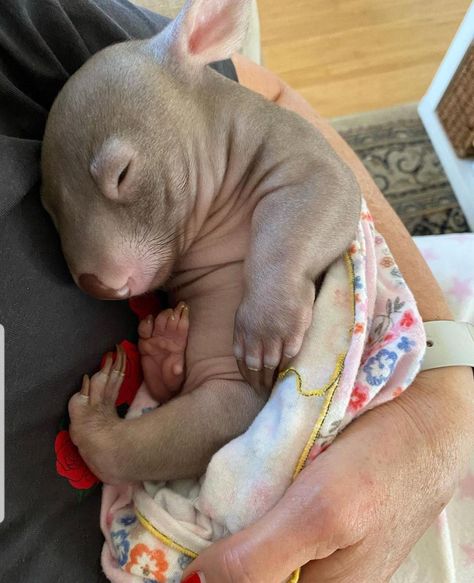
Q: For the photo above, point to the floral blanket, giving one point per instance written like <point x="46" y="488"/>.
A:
<point x="364" y="347"/>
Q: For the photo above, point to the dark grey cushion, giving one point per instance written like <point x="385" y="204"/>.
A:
<point x="54" y="333"/>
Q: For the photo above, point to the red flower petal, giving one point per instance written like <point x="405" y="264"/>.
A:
<point x="70" y="464"/>
<point x="358" y="399"/>
<point x="143" y="306"/>
<point x="407" y="319"/>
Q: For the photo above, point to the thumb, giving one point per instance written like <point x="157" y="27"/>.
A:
<point x="270" y="550"/>
<point x="243" y="558"/>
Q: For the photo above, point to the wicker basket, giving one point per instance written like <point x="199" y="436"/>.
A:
<point x="456" y="108"/>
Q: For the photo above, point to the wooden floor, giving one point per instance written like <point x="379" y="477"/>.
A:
<point x="347" y="56"/>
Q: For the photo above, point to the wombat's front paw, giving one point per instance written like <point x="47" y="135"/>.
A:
<point x="95" y="425"/>
<point x="269" y="329"/>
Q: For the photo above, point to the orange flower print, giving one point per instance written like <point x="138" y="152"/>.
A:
<point x="367" y="216"/>
<point x="387" y="262"/>
<point x="147" y="563"/>
<point x="358" y="398"/>
<point x="353" y="248"/>
<point x="358" y="328"/>
<point x="397" y="392"/>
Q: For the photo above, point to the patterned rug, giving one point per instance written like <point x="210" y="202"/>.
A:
<point x="397" y="152"/>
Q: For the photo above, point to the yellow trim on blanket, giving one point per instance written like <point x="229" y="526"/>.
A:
<point x="340" y="359"/>
<point x="316" y="429"/>
<point x="147" y="525"/>
<point x="329" y="391"/>
<point x="315" y="392"/>
<point x="295" y="576"/>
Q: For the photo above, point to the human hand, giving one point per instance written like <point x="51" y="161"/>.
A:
<point x="354" y="514"/>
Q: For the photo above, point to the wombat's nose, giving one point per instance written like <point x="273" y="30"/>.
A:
<point x="92" y="285"/>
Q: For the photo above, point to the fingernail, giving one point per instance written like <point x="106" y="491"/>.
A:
<point x="238" y="352"/>
<point x="253" y="363"/>
<point x="195" y="578"/>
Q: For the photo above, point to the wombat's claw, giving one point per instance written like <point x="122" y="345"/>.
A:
<point x="162" y="346"/>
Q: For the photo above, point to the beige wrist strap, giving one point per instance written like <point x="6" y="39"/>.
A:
<point x="448" y="344"/>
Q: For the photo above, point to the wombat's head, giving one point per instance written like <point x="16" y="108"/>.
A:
<point x="118" y="160"/>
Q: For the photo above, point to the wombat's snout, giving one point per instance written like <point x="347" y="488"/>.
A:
<point x="92" y="285"/>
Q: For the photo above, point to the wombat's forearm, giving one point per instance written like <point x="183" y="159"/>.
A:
<point x="300" y="228"/>
<point x="178" y="439"/>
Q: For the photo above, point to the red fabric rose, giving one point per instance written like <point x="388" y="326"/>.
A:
<point x="143" y="306"/>
<point x="70" y="465"/>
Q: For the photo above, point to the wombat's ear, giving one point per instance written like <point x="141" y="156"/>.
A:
<point x="207" y="30"/>
<point x="113" y="170"/>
